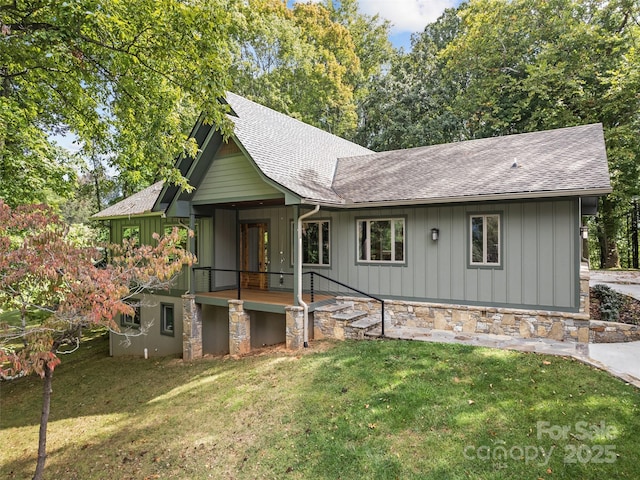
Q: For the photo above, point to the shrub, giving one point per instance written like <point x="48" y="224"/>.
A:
<point x="610" y="302"/>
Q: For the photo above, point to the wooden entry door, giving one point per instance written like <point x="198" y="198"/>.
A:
<point x="254" y="254"/>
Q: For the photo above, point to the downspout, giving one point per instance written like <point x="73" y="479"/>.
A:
<point x="192" y="248"/>
<point x="305" y="307"/>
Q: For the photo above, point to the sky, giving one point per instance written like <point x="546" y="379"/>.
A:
<point x="406" y="16"/>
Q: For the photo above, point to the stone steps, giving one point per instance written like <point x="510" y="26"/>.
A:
<point x="349" y="316"/>
<point x="365" y="323"/>
<point x="332" y="307"/>
<point x="340" y="320"/>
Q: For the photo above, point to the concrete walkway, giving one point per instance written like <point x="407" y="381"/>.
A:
<point x="619" y="359"/>
<point x="624" y="281"/>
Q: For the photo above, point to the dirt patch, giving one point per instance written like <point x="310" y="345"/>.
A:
<point x="629" y="313"/>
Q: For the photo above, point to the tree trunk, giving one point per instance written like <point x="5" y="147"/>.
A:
<point x="97" y="173"/>
<point x="634" y="235"/>
<point x="609" y="231"/>
<point x="44" y="420"/>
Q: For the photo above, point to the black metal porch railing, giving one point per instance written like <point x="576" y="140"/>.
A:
<point x="311" y="289"/>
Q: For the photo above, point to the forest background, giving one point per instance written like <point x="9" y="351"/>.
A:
<point x="127" y="79"/>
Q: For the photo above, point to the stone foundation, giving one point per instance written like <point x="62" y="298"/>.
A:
<point x="559" y="326"/>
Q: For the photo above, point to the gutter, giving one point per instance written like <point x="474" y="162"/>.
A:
<point x="462" y="199"/>
<point x="305" y="307"/>
<point x="129" y="216"/>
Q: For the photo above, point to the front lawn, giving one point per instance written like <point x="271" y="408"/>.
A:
<point x="370" y="409"/>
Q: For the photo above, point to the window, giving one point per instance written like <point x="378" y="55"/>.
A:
<point x="131" y="233"/>
<point x="316" y="248"/>
<point x="167" y="326"/>
<point x="315" y="243"/>
<point x="485" y="239"/>
<point x="381" y="240"/>
<point x="131" y="321"/>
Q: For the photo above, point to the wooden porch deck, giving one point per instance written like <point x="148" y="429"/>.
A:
<point x="254" y="298"/>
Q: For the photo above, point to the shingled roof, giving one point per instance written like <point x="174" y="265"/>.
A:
<point x="322" y="168"/>
<point x="140" y="203"/>
<point x="297" y="156"/>
<point x="565" y="161"/>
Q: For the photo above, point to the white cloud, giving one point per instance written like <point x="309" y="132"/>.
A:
<point x="407" y="15"/>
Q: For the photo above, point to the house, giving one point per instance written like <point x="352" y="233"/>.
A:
<point x="301" y="234"/>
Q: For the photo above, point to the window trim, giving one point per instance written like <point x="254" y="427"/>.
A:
<point x="392" y="221"/>
<point x="132" y="323"/>
<point x="163" y="329"/>
<point x="484" y="263"/>
<point x="320" y="256"/>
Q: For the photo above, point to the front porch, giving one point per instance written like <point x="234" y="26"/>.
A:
<point x="233" y="319"/>
<point x="261" y="300"/>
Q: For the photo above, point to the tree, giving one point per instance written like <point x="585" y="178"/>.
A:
<point x="299" y="62"/>
<point x="527" y="65"/>
<point x="409" y="103"/>
<point x="370" y="37"/>
<point x="42" y="272"/>
<point x="128" y="77"/>
<point x="497" y="67"/>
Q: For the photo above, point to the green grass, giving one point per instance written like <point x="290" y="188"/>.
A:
<point x="370" y="410"/>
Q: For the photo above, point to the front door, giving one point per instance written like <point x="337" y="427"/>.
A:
<point x="254" y="255"/>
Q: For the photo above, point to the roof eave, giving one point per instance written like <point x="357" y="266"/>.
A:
<point x="129" y="216"/>
<point x="463" y="199"/>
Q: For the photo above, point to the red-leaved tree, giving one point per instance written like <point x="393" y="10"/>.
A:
<point x="59" y="290"/>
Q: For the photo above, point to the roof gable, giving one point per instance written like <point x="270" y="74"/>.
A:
<point x="297" y="156"/>
<point x="233" y="178"/>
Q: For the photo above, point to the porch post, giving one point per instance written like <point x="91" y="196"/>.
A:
<point x="239" y="328"/>
<point x="192" y="328"/>
<point x="294" y="327"/>
<point x="296" y="270"/>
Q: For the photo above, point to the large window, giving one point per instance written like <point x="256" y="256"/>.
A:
<point x="485" y="239"/>
<point x="316" y="249"/>
<point x="381" y="240"/>
<point x="167" y="322"/>
<point x="132" y="321"/>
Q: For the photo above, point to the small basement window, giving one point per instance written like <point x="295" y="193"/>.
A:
<point x="131" y="321"/>
<point x="167" y="320"/>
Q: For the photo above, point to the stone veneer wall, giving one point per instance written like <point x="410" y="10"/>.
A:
<point x="560" y="326"/>
<point x="613" y="332"/>
<point x="472" y="319"/>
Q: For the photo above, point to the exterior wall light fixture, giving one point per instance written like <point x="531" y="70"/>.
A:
<point x="435" y="233"/>
<point x="584" y="232"/>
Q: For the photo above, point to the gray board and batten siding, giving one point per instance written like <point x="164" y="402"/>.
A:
<point x="148" y="225"/>
<point x="539" y="265"/>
